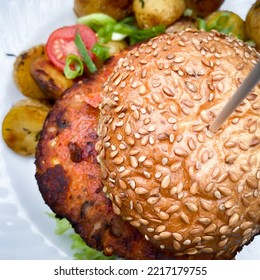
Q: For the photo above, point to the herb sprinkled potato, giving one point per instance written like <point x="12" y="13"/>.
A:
<point x="118" y="9"/>
<point x="253" y="23"/>
<point x="22" y="125"/>
<point x="149" y="13"/>
<point x="51" y="80"/>
<point x="226" y="22"/>
<point x="22" y="75"/>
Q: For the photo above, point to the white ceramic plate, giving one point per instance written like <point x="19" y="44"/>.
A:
<point x="26" y="232"/>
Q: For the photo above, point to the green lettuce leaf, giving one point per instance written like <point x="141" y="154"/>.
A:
<point x="80" y="250"/>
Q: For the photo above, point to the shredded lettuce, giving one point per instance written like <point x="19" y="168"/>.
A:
<point x="80" y="250"/>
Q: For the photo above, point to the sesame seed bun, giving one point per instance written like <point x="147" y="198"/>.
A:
<point x="187" y="190"/>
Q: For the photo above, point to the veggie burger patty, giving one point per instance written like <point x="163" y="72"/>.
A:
<point x="69" y="177"/>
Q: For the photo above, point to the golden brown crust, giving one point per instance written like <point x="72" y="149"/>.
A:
<point x="186" y="190"/>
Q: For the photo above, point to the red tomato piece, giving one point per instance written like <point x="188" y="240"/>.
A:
<point x="61" y="43"/>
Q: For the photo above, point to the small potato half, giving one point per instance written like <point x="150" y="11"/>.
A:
<point x="22" y="75"/>
<point x="118" y="9"/>
<point x="149" y="13"/>
<point x="253" y="24"/>
<point x="51" y="80"/>
<point x="22" y="125"/>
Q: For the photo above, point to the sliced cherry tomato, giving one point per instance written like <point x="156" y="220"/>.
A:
<point x="61" y="43"/>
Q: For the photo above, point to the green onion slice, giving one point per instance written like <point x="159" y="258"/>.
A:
<point x="96" y="20"/>
<point x="101" y="51"/>
<point x="84" y="53"/>
<point x="74" y="66"/>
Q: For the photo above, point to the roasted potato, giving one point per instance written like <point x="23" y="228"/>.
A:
<point x="182" y="24"/>
<point x="116" y="47"/>
<point x="149" y="13"/>
<point x="253" y="23"/>
<point x="226" y="22"/>
<point x="51" y="81"/>
<point x="203" y="8"/>
<point x="22" y="75"/>
<point x="22" y="125"/>
<point x="117" y="9"/>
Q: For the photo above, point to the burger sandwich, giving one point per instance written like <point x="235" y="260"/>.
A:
<point x="128" y="158"/>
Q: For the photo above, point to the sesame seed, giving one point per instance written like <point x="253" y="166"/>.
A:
<point x="233" y="219"/>
<point x="181" y="152"/>
<point x="191" y="206"/>
<point x="116" y="209"/>
<point x="207" y="250"/>
<point x="142" y="158"/>
<point x="156" y="98"/>
<point x="164" y="161"/>
<point x="168" y="91"/>
<point x="173" y="110"/>
<point x="191" y="144"/>
<point x="165" y="234"/>
<point x="113" y="154"/>
<point x="141" y="190"/>
<point x="194" y="188"/>
<point x="173" y="209"/>
<point x="133" y="161"/>
<point x="217" y="194"/>
<point x="215" y="173"/>
<point x="176" y="245"/>
<point x="153" y="199"/>
<point x="147" y="174"/>
<point x="175" y="167"/>
<point x="185" y="218"/>
<point x="122" y="184"/>
<point x="160" y="228"/>
<point x="223" y="177"/>
<point x="164" y="215"/>
<point x="192" y="87"/>
<point x="229" y="203"/>
<point x="225" y="191"/>
<point x="121" y="169"/>
<point x="172" y="120"/>
<point x="206" y="205"/>
<point x="166" y="181"/>
<point x="210" y="228"/>
<point x="178" y="59"/>
<point x="135" y="223"/>
<point x="118" y="160"/>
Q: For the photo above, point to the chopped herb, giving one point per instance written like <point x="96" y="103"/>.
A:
<point x="96" y="20"/>
<point x="101" y="51"/>
<point x="84" y="53"/>
<point x="74" y="66"/>
<point x="142" y="3"/>
<point x="107" y="29"/>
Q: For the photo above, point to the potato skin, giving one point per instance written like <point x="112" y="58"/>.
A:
<point x="117" y="9"/>
<point x="227" y="22"/>
<point x="203" y="8"/>
<point x="22" y="76"/>
<point x="253" y="23"/>
<point x="22" y="125"/>
<point x="51" y="81"/>
<point x="149" y="13"/>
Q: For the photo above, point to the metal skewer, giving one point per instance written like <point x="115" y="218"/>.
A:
<point x="248" y="84"/>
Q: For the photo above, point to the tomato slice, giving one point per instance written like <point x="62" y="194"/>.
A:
<point x="61" y="43"/>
